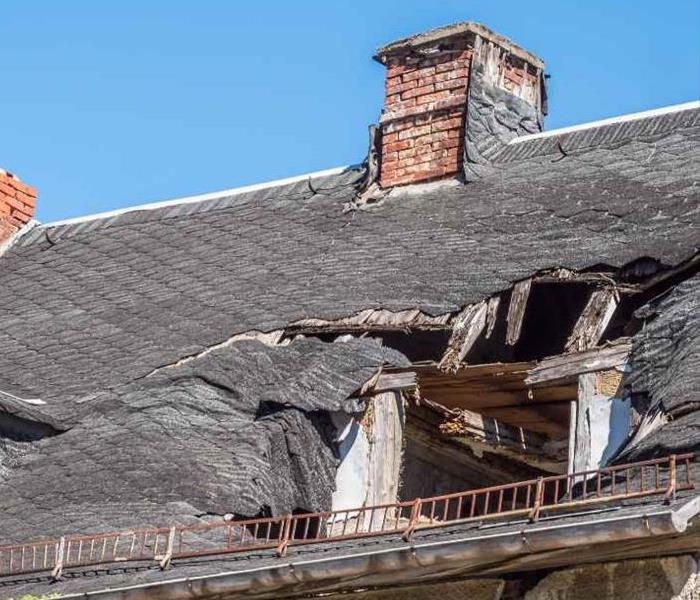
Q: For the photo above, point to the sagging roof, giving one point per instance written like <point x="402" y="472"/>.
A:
<point x="228" y="432"/>
<point x="101" y="302"/>
<point x="98" y="315"/>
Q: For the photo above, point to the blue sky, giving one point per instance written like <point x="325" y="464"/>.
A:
<point x="110" y="104"/>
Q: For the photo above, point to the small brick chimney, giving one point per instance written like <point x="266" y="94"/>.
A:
<point x="17" y="203"/>
<point x="428" y="100"/>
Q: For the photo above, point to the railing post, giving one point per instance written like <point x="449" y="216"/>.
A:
<point x="284" y="536"/>
<point x="58" y="566"/>
<point x="671" y="491"/>
<point x="413" y="520"/>
<point x="167" y="557"/>
<point x="537" y="503"/>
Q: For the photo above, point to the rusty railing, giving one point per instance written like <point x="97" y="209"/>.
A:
<point x="526" y="499"/>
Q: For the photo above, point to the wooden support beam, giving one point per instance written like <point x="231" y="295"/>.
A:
<point x="587" y="361"/>
<point x="516" y="310"/>
<point x="393" y="381"/>
<point x="488" y="430"/>
<point x="593" y="320"/>
<point x="467" y="327"/>
<point x="580" y="437"/>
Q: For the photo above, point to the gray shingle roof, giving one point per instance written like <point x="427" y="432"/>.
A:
<point x="101" y="302"/>
<point x="87" y="310"/>
<point x="230" y="432"/>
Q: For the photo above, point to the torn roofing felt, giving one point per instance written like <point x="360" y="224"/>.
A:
<point x="92" y="305"/>
<point x="230" y="432"/>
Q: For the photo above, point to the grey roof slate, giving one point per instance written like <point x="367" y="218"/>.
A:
<point x="96" y="304"/>
<point x="88" y="310"/>
<point x="240" y="430"/>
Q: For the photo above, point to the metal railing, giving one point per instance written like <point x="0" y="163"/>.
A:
<point x="527" y="498"/>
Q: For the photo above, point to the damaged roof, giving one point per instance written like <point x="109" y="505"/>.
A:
<point x="224" y="433"/>
<point x="122" y="331"/>
<point x="97" y="303"/>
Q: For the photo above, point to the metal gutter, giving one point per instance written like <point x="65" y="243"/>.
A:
<point x="379" y="567"/>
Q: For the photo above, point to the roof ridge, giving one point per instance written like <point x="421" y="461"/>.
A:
<point x="695" y="104"/>
<point x="198" y="198"/>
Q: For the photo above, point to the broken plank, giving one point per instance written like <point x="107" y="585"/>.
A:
<point x="516" y="310"/>
<point x="593" y="320"/>
<point x="491" y="314"/>
<point x="467" y="327"/>
<point x="577" y="363"/>
<point x="491" y="431"/>
<point x="394" y="381"/>
<point x="580" y="442"/>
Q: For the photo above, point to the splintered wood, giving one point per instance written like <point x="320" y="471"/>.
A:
<point x="466" y="329"/>
<point x="570" y="365"/>
<point x="593" y="320"/>
<point x="491" y="431"/>
<point x="516" y="310"/>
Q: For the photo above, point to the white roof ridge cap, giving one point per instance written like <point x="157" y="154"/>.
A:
<point x="198" y="198"/>
<point x="609" y="121"/>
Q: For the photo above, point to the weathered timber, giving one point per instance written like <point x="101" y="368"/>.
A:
<point x="516" y="310"/>
<point x="467" y="327"/>
<point x="393" y="381"/>
<point x="385" y="437"/>
<point x="469" y="424"/>
<point x="593" y="320"/>
<point x="577" y="363"/>
<point x="580" y="443"/>
<point x="491" y="314"/>
<point x="373" y="319"/>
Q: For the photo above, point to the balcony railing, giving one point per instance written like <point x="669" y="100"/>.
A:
<point x="523" y="499"/>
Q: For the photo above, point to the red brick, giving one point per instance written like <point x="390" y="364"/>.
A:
<point x="418" y="74"/>
<point x="449" y="123"/>
<point x="447" y="144"/>
<point x="15" y="203"/>
<point x="390" y="138"/>
<point x="418" y="91"/>
<point x="398" y="146"/>
<point x="451" y="84"/>
<point x="6" y="189"/>
<point x="22" y="187"/>
<point x="414" y="132"/>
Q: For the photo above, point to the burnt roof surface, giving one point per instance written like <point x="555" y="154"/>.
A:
<point x="98" y="303"/>
<point x="228" y="432"/>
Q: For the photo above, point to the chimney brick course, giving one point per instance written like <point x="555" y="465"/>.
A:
<point x="17" y="204"/>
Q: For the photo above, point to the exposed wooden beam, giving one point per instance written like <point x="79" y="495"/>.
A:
<point x="593" y="320"/>
<point x="580" y="432"/>
<point x="393" y="381"/>
<point x="467" y="327"/>
<point x="574" y="364"/>
<point x="516" y="310"/>
<point x="491" y="314"/>
<point x="478" y="427"/>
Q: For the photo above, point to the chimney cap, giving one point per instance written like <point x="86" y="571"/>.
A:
<point x="432" y="36"/>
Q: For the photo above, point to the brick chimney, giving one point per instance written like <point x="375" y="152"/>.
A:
<point x="432" y="98"/>
<point x="17" y="203"/>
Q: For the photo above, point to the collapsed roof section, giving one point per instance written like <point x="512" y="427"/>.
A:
<point x="100" y="302"/>
<point x="243" y="430"/>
